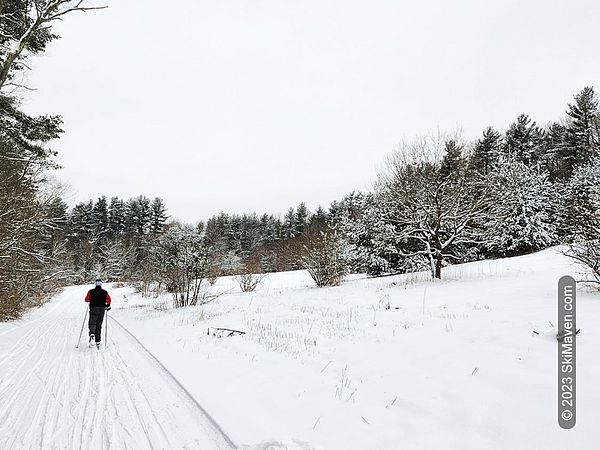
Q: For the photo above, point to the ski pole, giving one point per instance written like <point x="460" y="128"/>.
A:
<point x="106" y="331"/>
<point x="82" y="325"/>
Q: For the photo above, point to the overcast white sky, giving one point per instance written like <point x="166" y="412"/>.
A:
<point x="257" y="105"/>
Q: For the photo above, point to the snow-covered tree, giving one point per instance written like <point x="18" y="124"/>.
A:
<point x="116" y="260"/>
<point x="486" y="152"/>
<point x="524" y="213"/>
<point x="372" y="247"/>
<point x="100" y="219"/>
<point x="181" y="261"/>
<point x="581" y="215"/>
<point x="117" y="216"/>
<point x="523" y="140"/>
<point x="158" y="215"/>
<point x="26" y="30"/>
<point x="289" y="223"/>
<point x="139" y="215"/>
<point x="434" y="213"/>
<point x="319" y="218"/>
<point x="583" y="130"/>
<point x="301" y="219"/>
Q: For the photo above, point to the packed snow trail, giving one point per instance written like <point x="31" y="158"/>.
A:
<point x="55" y="396"/>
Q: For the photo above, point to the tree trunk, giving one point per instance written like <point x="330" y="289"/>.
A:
<point x="438" y="267"/>
<point x="431" y="259"/>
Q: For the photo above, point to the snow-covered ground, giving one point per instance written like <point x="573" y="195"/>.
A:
<point x="55" y="396"/>
<point x="390" y="363"/>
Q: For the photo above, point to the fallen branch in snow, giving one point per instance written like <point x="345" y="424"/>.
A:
<point x="317" y="422"/>
<point x="224" y="332"/>
<point x="326" y="366"/>
<point x="560" y="336"/>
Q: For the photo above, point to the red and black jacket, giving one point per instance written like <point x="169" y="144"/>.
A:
<point x="98" y="297"/>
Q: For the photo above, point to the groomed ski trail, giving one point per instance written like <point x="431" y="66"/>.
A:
<point x="54" y="396"/>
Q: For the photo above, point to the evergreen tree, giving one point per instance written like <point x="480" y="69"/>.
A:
<point x="301" y="219"/>
<point x="319" y="218"/>
<point x="523" y="140"/>
<point x="581" y="216"/>
<point x="140" y="214"/>
<point x="81" y="223"/>
<point x="271" y="228"/>
<point x="555" y="150"/>
<point x="158" y="216"/>
<point x="524" y="216"/>
<point x="100" y="218"/>
<point x="581" y="211"/>
<point x="117" y="217"/>
<point x="289" y="223"/>
<point x="486" y="152"/>
<point x="582" y="131"/>
<point x="336" y="212"/>
<point x="371" y="237"/>
<point x="453" y="161"/>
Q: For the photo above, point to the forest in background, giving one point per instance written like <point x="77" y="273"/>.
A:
<point x="442" y="199"/>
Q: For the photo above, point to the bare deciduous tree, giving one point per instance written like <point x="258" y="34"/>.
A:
<point x="435" y="208"/>
<point x="323" y="255"/>
<point x="250" y="273"/>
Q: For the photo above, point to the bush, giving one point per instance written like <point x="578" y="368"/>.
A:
<point x="250" y="274"/>
<point x="323" y="255"/>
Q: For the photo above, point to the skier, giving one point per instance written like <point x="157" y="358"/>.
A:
<point x="99" y="301"/>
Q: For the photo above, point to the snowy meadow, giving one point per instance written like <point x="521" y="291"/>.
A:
<point x="391" y="362"/>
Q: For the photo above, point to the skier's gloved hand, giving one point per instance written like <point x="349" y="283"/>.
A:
<point x="108" y="308"/>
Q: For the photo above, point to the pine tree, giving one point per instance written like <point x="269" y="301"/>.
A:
<point x="336" y="212"/>
<point x="81" y="223"/>
<point x="583" y="130"/>
<point x="289" y="223"/>
<point x="555" y="149"/>
<point x="523" y="140"/>
<point x="100" y="218"/>
<point x="301" y="219"/>
<point x="117" y="217"/>
<point x="158" y="216"/>
<point x="581" y="211"/>
<point x="453" y="161"/>
<point x="319" y="218"/>
<point x="581" y="215"/>
<point x="139" y="213"/>
<point x="486" y="152"/>
<point x="373" y="247"/>
<point x="524" y="215"/>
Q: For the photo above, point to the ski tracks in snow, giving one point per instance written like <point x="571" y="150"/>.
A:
<point x="54" y="396"/>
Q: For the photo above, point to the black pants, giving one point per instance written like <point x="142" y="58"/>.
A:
<point x="96" y="319"/>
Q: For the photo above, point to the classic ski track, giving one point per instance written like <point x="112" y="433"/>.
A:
<point x="54" y="396"/>
<point x="211" y="423"/>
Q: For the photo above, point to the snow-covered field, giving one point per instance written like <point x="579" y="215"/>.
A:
<point x="390" y="363"/>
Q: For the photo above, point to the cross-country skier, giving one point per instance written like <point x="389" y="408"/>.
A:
<point x="99" y="301"/>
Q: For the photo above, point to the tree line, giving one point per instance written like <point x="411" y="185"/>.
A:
<point x="440" y="200"/>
